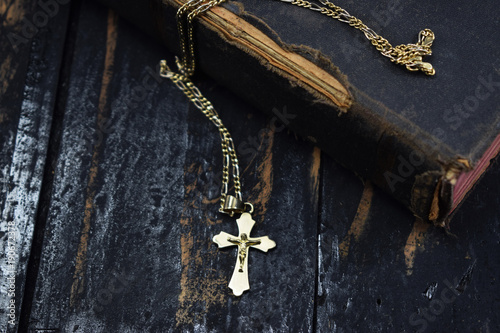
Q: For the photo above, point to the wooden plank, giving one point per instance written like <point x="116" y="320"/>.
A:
<point x="380" y="270"/>
<point x="127" y="244"/>
<point x="31" y="44"/>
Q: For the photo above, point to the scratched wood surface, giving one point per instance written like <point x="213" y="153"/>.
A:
<point x="380" y="270"/>
<point x="127" y="206"/>
<point x="31" y="49"/>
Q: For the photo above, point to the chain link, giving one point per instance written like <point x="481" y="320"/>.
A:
<point x="185" y="16"/>
<point x="230" y="158"/>
<point x="408" y="55"/>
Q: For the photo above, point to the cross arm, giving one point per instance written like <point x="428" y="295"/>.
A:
<point x="265" y="243"/>
<point x="221" y="239"/>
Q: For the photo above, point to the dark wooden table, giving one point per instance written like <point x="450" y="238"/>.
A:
<point x="109" y="195"/>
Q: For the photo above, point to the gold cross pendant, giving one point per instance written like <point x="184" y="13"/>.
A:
<point x="239" y="281"/>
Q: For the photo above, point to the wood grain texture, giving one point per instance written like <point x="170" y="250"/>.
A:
<point x="132" y="243"/>
<point x="103" y="107"/>
<point x="29" y="76"/>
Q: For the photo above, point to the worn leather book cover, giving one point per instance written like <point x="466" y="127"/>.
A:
<point x="425" y="139"/>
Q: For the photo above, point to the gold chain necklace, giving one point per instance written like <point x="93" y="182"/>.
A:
<point x="409" y="55"/>
<point x="229" y="204"/>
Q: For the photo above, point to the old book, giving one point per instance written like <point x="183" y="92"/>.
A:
<point x="424" y="139"/>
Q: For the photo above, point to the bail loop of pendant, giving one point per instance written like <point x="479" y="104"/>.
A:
<point x="234" y="205"/>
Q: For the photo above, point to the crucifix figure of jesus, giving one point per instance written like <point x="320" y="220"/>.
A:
<point x="239" y="281"/>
